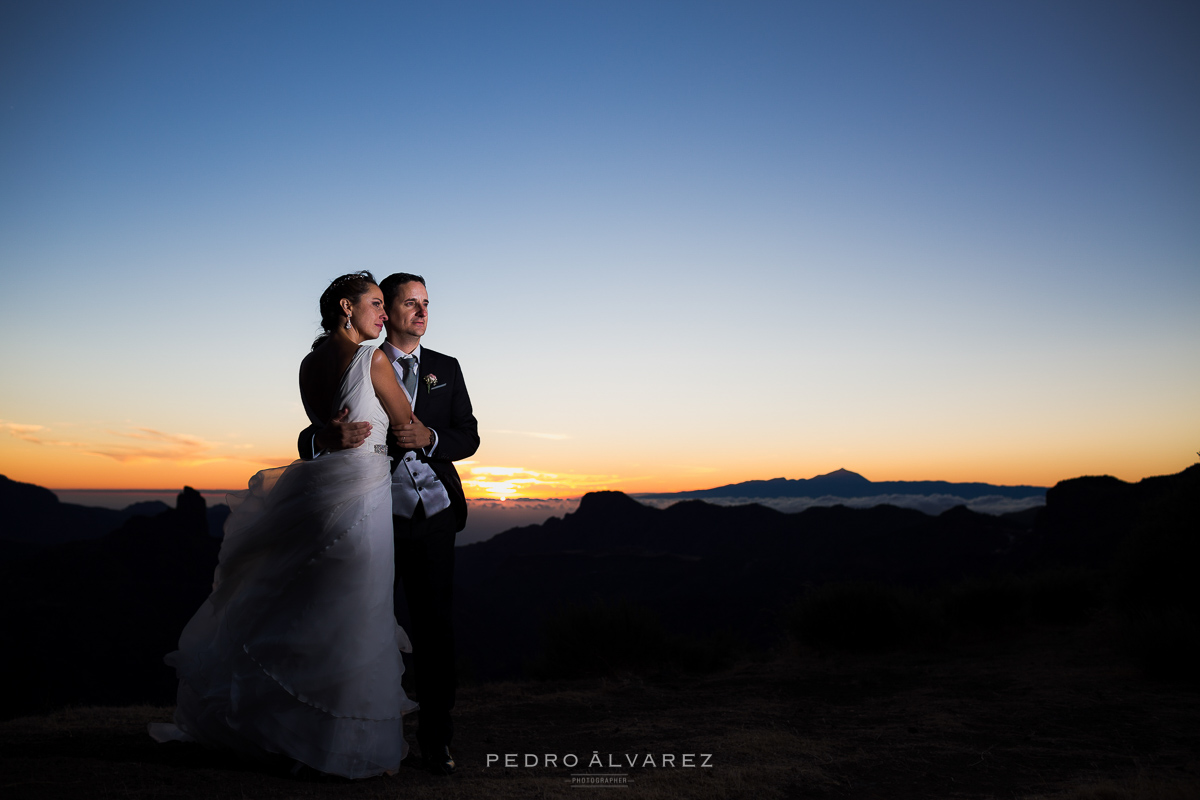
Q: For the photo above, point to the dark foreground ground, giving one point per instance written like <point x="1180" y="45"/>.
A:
<point x="1054" y="713"/>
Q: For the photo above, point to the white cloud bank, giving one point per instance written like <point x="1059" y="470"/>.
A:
<point x="928" y="503"/>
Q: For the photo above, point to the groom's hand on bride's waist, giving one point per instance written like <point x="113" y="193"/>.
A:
<point x="341" y="434"/>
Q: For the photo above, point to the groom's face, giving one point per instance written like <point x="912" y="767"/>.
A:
<point x="409" y="311"/>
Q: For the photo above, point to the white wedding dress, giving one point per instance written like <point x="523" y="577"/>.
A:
<point x="297" y="650"/>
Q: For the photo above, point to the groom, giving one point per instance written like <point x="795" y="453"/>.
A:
<point x="428" y="505"/>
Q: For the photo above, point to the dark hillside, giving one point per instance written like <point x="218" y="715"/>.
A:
<point x="89" y="621"/>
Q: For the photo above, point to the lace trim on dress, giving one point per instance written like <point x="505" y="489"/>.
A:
<point x="287" y="686"/>
<point x="367" y="513"/>
<point x="282" y="683"/>
<point x="290" y="690"/>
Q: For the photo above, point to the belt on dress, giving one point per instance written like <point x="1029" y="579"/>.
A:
<point x="381" y="449"/>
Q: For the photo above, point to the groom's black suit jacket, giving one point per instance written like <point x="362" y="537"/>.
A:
<point x="445" y="407"/>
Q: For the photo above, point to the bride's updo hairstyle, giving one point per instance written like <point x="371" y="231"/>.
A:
<point x="346" y="287"/>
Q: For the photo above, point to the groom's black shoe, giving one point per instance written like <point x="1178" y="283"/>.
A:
<point x="441" y="762"/>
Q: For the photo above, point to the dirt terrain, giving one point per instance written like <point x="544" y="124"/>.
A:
<point x="1053" y="713"/>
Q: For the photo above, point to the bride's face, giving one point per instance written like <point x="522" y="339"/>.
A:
<point x="367" y="315"/>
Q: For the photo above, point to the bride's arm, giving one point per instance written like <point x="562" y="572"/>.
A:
<point x="387" y="389"/>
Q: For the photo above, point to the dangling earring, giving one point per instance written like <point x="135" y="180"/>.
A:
<point x="347" y="323"/>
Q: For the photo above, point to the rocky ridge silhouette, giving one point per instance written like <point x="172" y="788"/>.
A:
<point x="89" y="621"/>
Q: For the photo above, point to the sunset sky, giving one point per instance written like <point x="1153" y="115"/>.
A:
<point x="673" y="244"/>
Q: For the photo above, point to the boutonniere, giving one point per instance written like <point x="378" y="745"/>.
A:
<point x="430" y="382"/>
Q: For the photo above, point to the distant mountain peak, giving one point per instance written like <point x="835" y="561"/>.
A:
<point x="842" y="474"/>
<point x="844" y="483"/>
<point x="607" y="503"/>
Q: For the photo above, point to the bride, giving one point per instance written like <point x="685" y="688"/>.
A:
<point x="296" y="651"/>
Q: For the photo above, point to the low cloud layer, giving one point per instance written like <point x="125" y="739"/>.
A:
<point x="928" y="503"/>
<point x="489" y="517"/>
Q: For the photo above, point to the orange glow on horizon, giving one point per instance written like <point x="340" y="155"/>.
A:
<point x="502" y="483"/>
<point x="142" y="458"/>
<point x="481" y="482"/>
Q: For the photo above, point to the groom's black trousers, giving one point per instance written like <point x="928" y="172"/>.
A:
<point x="425" y="579"/>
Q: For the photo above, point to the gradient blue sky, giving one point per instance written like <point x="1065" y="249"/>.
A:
<point x="674" y="245"/>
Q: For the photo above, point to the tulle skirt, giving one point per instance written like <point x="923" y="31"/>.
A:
<point x="297" y="650"/>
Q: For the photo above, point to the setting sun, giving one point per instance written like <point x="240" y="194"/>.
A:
<point x="482" y="482"/>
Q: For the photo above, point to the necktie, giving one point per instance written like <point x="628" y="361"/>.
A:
<point x="410" y="374"/>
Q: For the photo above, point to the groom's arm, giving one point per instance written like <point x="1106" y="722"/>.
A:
<point x="306" y="443"/>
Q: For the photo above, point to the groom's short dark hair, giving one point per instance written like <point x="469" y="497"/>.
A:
<point x="390" y="286"/>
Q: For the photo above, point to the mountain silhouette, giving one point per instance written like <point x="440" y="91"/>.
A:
<point x="33" y="514"/>
<point x="844" y="483"/>
<point x="1088" y="521"/>
<point x="89" y="621"/>
<point x="702" y="568"/>
<point x="29" y="513"/>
